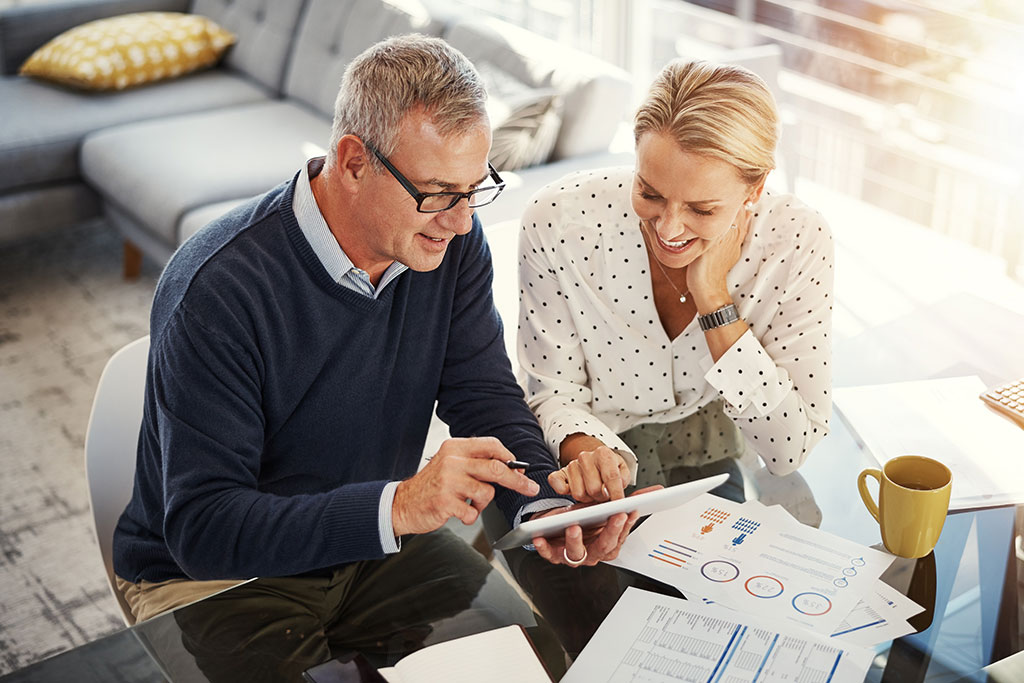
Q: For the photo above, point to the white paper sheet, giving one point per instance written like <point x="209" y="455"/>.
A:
<point x="755" y="559"/>
<point x="661" y="639"/>
<point x="941" y="419"/>
<point x="881" y="616"/>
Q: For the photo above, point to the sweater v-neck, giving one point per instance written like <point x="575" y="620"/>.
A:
<point x="316" y="269"/>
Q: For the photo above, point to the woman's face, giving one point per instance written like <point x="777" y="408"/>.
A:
<point x="686" y="201"/>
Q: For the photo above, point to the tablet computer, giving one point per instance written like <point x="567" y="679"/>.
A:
<point x="593" y="515"/>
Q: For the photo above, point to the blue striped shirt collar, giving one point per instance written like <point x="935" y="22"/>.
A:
<point x="326" y="247"/>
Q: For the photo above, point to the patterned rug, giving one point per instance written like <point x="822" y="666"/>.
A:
<point x="64" y="310"/>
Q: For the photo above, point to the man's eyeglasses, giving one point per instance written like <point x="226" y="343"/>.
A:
<point x="434" y="202"/>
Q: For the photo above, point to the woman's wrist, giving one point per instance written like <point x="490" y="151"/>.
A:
<point x="577" y="443"/>
<point x="712" y="299"/>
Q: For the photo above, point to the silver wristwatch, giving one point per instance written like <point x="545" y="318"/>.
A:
<point x="723" y="316"/>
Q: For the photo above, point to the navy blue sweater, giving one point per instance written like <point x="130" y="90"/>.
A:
<point x="279" y="403"/>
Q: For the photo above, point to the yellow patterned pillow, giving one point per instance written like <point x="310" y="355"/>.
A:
<point x="129" y="50"/>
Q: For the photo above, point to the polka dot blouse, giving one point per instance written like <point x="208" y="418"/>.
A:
<point x="598" y="361"/>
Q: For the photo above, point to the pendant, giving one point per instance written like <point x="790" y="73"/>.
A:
<point x="682" y="298"/>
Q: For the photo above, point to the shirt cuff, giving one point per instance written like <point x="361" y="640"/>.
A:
<point x="388" y="542"/>
<point x="539" y="506"/>
<point x="560" y="426"/>
<point x="747" y="377"/>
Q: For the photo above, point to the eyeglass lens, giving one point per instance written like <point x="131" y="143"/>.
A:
<point x="442" y="202"/>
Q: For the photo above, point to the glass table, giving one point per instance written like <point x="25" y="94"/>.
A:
<point x="969" y="587"/>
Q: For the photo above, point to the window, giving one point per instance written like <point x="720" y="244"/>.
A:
<point x="915" y="106"/>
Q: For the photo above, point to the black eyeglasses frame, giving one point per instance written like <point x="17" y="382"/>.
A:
<point x="456" y="197"/>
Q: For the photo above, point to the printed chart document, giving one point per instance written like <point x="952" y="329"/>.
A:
<point x="661" y="639"/>
<point x="941" y="419"/>
<point x="755" y="559"/>
<point x="503" y="655"/>
<point x="879" y="617"/>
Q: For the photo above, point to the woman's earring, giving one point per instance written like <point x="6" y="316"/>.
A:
<point x="749" y="206"/>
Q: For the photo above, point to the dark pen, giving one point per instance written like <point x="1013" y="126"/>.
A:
<point x="517" y="464"/>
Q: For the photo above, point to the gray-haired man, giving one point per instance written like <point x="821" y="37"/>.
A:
<point x="298" y="346"/>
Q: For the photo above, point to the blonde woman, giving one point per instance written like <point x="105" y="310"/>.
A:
<point x="675" y="314"/>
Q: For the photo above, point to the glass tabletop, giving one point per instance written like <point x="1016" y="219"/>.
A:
<point x="968" y="587"/>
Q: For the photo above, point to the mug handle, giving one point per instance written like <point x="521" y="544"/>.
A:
<point x="865" y="495"/>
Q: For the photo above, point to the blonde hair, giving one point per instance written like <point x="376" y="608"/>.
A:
<point x="400" y="74"/>
<point x="721" y="111"/>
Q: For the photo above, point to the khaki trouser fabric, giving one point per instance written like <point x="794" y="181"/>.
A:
<point x="147" y="599"/>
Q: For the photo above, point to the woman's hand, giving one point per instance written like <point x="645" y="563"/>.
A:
<point x="706" y="276"/>
<point x="593" y="476"/>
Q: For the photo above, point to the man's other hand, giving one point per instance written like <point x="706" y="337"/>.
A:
<point x="457" y="482"/>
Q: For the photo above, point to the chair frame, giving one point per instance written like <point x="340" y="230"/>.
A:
<point x="111" y="443"/>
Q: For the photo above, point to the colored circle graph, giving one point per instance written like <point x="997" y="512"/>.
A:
<point x="764" y="586"/>
<point x="811" y="604"/>
<point x="720" y="571"/>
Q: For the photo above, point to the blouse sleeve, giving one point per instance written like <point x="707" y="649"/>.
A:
<point x="549" y="349"/>
<point x="777" y="383"/>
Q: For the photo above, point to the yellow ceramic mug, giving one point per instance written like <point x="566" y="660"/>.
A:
<point x="913" y="498"/>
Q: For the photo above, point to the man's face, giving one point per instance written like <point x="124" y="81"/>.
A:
<point x="393" y="229"/>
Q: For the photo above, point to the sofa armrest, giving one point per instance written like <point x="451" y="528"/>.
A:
<point x="23" y="29"/>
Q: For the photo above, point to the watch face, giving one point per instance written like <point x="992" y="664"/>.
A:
<point x="723" y="316"/>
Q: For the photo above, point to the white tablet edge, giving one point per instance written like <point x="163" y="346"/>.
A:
<point x="645" y="503"/>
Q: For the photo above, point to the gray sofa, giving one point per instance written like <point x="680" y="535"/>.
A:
<point x="162" y="160"/>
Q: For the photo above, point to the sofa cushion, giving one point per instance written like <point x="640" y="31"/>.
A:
<point x="40" y="137"/>
<point x="525" y="120"/>
<point x="334" y="32"/>
<point x="265" y="30"/>
<point x="595" y="94"/>
<point x="129" y="50"/>
<point x="156" y="171"/>
<point x="196" y="219"/>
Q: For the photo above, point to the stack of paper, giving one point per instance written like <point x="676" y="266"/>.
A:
<point x="651" y="637"/>
<point x="761" y="561"/>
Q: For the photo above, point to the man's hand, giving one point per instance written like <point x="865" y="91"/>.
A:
<point x="594" y="476"/>
<point x="457" y="482"/>
<point x="581" y="547"/>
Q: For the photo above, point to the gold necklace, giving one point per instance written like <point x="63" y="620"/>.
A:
<point x="654" y="257"/>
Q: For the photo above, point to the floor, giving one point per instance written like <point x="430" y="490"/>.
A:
<point x="64" y="309"/>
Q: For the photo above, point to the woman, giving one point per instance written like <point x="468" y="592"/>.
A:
<point x="672" y="313"/>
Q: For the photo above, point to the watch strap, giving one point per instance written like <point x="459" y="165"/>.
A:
<point x="723" y="316"/>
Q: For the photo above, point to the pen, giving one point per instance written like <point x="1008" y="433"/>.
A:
<point x="517" y="464"/>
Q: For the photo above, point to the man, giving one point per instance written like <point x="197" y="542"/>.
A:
<point x="298" y="346"/>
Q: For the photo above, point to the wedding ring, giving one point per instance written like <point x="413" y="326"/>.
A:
<point x="732" y="227"/>
<point x="574" y="563"/>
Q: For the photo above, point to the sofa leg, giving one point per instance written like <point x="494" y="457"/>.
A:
<point x="132" y="261"/>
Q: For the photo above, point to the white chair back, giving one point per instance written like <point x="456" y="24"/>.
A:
<point x="110" y="448"/>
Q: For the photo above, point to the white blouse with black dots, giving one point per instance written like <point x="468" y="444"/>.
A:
<point x="598" y="361"/>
